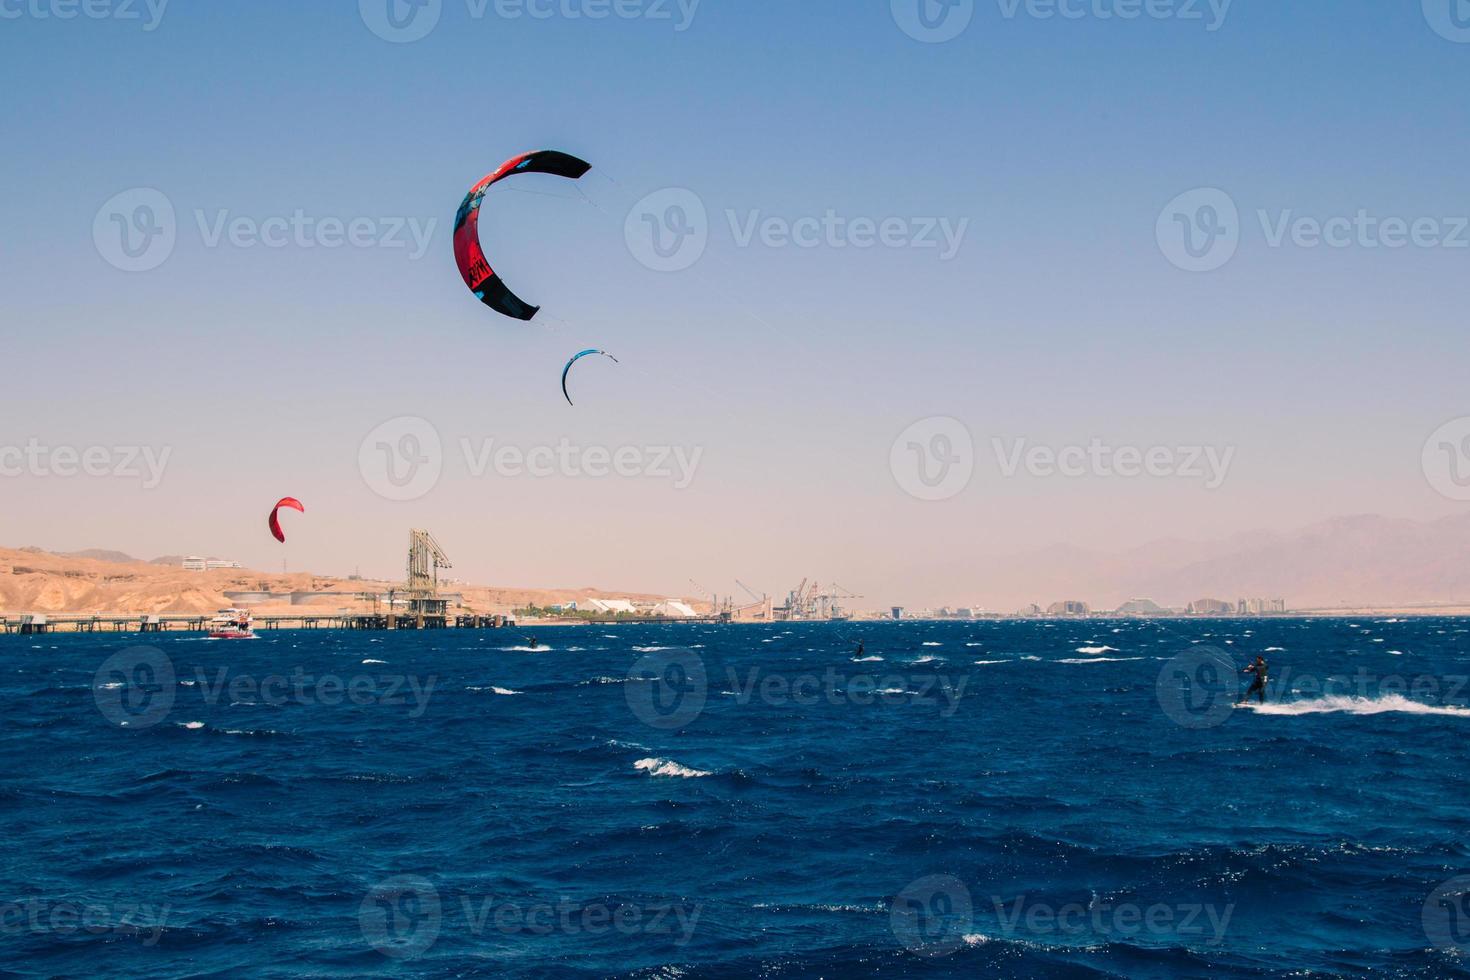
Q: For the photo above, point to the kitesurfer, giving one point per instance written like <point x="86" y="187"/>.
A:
<point x="535" y="643"/>
<point x="1258" y="686"/>
<point x="859" y="649"/>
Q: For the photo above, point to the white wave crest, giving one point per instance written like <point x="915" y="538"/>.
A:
<point x="1097" y="660"/>
<point x="1097" y="649"/>
<point x="667" y="767"/>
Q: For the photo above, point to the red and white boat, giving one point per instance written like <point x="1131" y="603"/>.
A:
<point x="231" y="624"/>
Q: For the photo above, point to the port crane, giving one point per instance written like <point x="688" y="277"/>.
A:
<point x="713" y="600"/>
<point x="810" y="601"/>
<point x="759" y="608"/>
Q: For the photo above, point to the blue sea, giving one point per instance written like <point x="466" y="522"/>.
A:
<point x="989" y="799"/>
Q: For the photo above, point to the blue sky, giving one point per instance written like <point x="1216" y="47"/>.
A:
<point x="1057" y="140"/>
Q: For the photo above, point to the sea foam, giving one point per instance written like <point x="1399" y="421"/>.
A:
<point x="1347" y="704"/>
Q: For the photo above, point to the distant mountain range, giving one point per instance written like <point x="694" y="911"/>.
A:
<point x="1363" y="560"/>
<point x="117" y="557"/>
<point x="1360" y="561"/>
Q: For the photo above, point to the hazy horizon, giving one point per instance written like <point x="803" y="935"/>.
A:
<point x="940" y="292"/>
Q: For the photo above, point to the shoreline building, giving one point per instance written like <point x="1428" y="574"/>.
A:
<point x="194" y="563"/>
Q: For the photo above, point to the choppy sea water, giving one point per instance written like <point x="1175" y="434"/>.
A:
<point x="1030" y="799"/>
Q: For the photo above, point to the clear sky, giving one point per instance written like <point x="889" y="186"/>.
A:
<point x="1052" y="140"/>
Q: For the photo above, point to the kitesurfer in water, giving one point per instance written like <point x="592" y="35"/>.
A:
<point x="859" y="649"/>
<point x="1258" y="685"/>
<point x="535" y="643"/>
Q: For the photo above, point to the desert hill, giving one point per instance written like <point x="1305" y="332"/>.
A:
<point x="96" y="581"/>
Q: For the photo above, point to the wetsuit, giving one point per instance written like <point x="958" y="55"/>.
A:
<point x="1258" y="686"/>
